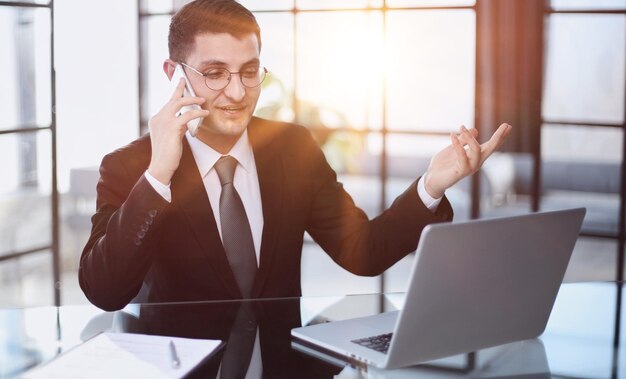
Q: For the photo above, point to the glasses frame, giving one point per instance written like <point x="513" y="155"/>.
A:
<point x="230" y="76"/>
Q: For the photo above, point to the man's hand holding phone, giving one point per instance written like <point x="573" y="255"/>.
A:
<point x="167" y="129"/>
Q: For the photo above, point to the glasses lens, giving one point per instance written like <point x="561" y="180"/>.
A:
<point x="217" y="78"/>
<point x="253" y="77"/>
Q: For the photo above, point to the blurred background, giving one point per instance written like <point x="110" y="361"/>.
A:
<point x="380" y="83"/>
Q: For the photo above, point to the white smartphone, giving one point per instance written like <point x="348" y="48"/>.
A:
<point x="194" y="124"/>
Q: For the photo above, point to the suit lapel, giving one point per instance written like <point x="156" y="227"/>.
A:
<point x="189" y="194"/>
<point x="270" y="170"/>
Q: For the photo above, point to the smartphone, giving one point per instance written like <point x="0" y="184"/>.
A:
<point x="194" y="124"/>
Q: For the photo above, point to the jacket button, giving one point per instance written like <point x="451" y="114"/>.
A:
<point x="148" y="221"/>
<point x="141" y="234"/>
<point x="152" y="213"/>
<point x="145" y="226"/>
<point x="137" y="241"/>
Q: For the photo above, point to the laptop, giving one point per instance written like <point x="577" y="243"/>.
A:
<point x="473" y="285"/>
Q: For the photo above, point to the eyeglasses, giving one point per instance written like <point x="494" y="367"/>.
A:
<point x="219" y="78"/>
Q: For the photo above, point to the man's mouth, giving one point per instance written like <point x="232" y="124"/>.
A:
<point x="232" y="108"/>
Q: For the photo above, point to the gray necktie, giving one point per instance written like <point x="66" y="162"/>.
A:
<point x="236" y="234"/>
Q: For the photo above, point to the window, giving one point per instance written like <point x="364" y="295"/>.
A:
<point x="584" y="129"/>
<point x="29" y="201"/>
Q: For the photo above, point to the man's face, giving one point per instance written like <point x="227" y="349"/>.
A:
<point x="232" y="107"/>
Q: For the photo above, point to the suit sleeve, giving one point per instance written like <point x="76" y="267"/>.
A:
<point x="118" y="253"/>
<point x="363" y="246"/>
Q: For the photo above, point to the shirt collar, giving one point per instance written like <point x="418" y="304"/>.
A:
<point x="206" y="156"/>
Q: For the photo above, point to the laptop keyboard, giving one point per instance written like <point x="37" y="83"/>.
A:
<point x="379" y="343"/>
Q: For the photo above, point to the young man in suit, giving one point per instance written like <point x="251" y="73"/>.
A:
<point x="164" y="219"/>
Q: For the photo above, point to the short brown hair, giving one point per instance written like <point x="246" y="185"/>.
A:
<point x="208" y="16"/>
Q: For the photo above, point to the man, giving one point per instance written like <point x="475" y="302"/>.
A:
<point x="173" y="217"/>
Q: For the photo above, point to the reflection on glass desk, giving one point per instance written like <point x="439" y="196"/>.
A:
<point x="581" y="340"/>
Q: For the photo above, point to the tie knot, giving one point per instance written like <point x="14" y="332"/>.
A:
<point x="225" y="167"/>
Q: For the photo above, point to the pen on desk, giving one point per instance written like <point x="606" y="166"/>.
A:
<point x="174" y="355"/>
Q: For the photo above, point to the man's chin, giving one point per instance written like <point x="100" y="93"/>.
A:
<point x="226" y="128"/>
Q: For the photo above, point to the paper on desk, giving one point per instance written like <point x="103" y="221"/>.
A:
<point x="127" y="355"/>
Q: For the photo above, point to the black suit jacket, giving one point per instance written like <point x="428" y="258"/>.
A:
<point x="175" y="247"/>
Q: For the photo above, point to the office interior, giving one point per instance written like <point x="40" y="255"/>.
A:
<point x="380" y="84"/>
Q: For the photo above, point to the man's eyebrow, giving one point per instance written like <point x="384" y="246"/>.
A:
<point x="215" y="62"/>
<point x="252" y="61"/>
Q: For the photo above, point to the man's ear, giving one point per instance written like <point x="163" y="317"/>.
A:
<point x="168" y="67"/>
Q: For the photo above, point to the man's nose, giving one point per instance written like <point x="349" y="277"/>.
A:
<point x="235" y="89"/>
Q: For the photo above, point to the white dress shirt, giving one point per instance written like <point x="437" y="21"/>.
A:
<point x="429" y="201"/>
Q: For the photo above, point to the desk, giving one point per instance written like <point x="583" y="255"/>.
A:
<point x="578" y="341"/>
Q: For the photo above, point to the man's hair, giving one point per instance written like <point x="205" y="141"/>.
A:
<point x="208" y="16"/>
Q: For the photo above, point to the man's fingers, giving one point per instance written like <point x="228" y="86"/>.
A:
<point x="473" y="152"/>
<point x="188" y="100"/>
<point x="502" y="131"/>
<point x="190" y="115"/>
<point x="474" y="132"/>
<point x="180" y="88"/>
<point x="496" y="139"/>
<point x="466" y="136"/>
<point x="469" y="140"/>
<point x="461" y="155"/>
<point x="173" y="107"/>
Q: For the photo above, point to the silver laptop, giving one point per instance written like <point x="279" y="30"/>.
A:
<point x="473" y="285"/>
